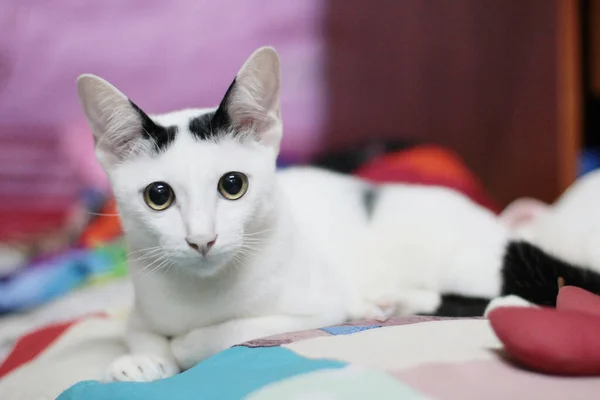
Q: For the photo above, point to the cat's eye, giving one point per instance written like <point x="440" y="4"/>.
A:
<point x="159" y="196"/>
<point x="233" y="185"/>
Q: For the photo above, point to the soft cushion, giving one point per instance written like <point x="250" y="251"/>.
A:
<point x="561" y="341"/>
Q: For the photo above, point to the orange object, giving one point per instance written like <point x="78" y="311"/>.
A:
<point x="104" y="228"/>
<point x="427" y="165"/>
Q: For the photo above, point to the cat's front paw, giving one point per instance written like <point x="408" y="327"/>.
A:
<point x="140" y="368"/>
<point x="379" y="310"/>
<point x="507" y="301"/>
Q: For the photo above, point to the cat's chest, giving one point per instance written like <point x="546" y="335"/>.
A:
<point x="174" y="307"/>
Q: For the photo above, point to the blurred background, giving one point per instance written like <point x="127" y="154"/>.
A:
<point x="497" y="98"/>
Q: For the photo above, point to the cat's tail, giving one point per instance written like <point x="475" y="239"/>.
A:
<point x="532" y="274"/>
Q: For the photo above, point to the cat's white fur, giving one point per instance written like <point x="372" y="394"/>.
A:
<point x="296" y="252"/>
<point x="569" y="228"/>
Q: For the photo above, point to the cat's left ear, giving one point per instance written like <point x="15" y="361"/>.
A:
<point x="252" y="102"/>
<point x="523" y="211"/>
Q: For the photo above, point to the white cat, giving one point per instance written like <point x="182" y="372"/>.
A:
<point x="225" y="249"/>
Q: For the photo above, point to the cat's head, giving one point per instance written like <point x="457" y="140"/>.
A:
<point x="193" y="187"/>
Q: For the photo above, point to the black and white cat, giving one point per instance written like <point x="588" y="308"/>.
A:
<point x="225" y="249"/>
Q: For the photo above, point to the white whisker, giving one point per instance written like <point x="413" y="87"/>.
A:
<point x="258" y="233"/>
<point x="147" y="271"/>
<point x="143" y="250"/>
<point x="102" y="215"/>
<point x="152" y="252"/>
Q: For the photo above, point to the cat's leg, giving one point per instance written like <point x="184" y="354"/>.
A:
<point x="149" y="358"/>
<point x="507" y="301"/>
<point x="201" y="343"/>
<point x="417" y="301"/>
<point x="408" y="301"/>
<point x="403" y="302"/>
<point x="379" y="309"/>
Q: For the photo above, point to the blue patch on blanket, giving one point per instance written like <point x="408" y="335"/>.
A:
<point x="348" y="330"/>
<point x="231" y="374"/>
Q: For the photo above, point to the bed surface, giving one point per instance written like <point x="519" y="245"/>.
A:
<point x="405" y="358"/>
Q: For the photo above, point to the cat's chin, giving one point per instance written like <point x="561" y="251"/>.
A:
<point x="204" y="267"/>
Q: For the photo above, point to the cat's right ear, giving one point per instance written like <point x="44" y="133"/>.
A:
<point x="114" y="121"/>
<point x="251" y="103"/>
<point x="523" y="211"/>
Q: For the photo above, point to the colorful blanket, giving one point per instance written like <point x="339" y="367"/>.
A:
<point x="406" y="358"/>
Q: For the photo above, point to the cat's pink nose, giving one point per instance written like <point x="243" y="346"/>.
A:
<point x="201" y="243"/>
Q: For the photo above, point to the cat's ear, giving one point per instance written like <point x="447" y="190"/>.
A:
<point x="115" y="122"/>
<point x="252" y="101"/>
<point x="522" y="212"/>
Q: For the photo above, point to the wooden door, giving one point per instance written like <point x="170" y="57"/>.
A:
<point x="498" y="81"/>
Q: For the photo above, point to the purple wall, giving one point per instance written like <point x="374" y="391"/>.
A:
<point x="164" y="55"/>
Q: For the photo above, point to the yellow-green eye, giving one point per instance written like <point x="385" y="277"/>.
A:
<point x="233" y="185"/>
<point x="159" y="196"/>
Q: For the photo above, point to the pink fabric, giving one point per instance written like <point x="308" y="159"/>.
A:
<point x="493" y="380"/>
<point x="164" y="55"/>
<point x="34" y="174"/>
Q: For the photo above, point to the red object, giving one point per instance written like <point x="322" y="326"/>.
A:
<point x="104" y="228"/>
<point x="33" y="344"/>
<point x="22" y="225"/>
<point x="427" y="165"/>
<point x="561" y="341"/>
<point x="30" y="346"/>
<point x="571" y="298"/>
<point x="38" y="186"/>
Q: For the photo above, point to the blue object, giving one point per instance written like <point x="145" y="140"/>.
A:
<point x="48" y="279"/>
<point x="589" y="160"/>
<point x="38" y="284"/>
<point x="93" y="199"/>
<point x="231" y="374"/>
<point x="348" y="330"/>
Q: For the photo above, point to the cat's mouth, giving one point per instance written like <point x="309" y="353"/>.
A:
<point x="202" y="264"/>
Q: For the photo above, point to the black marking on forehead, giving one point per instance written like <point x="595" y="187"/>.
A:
<point x="161" y="136"/>
<point x="213" y="124"/>
<point x="202" y="126"/>
<point x="369" y="199"/>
